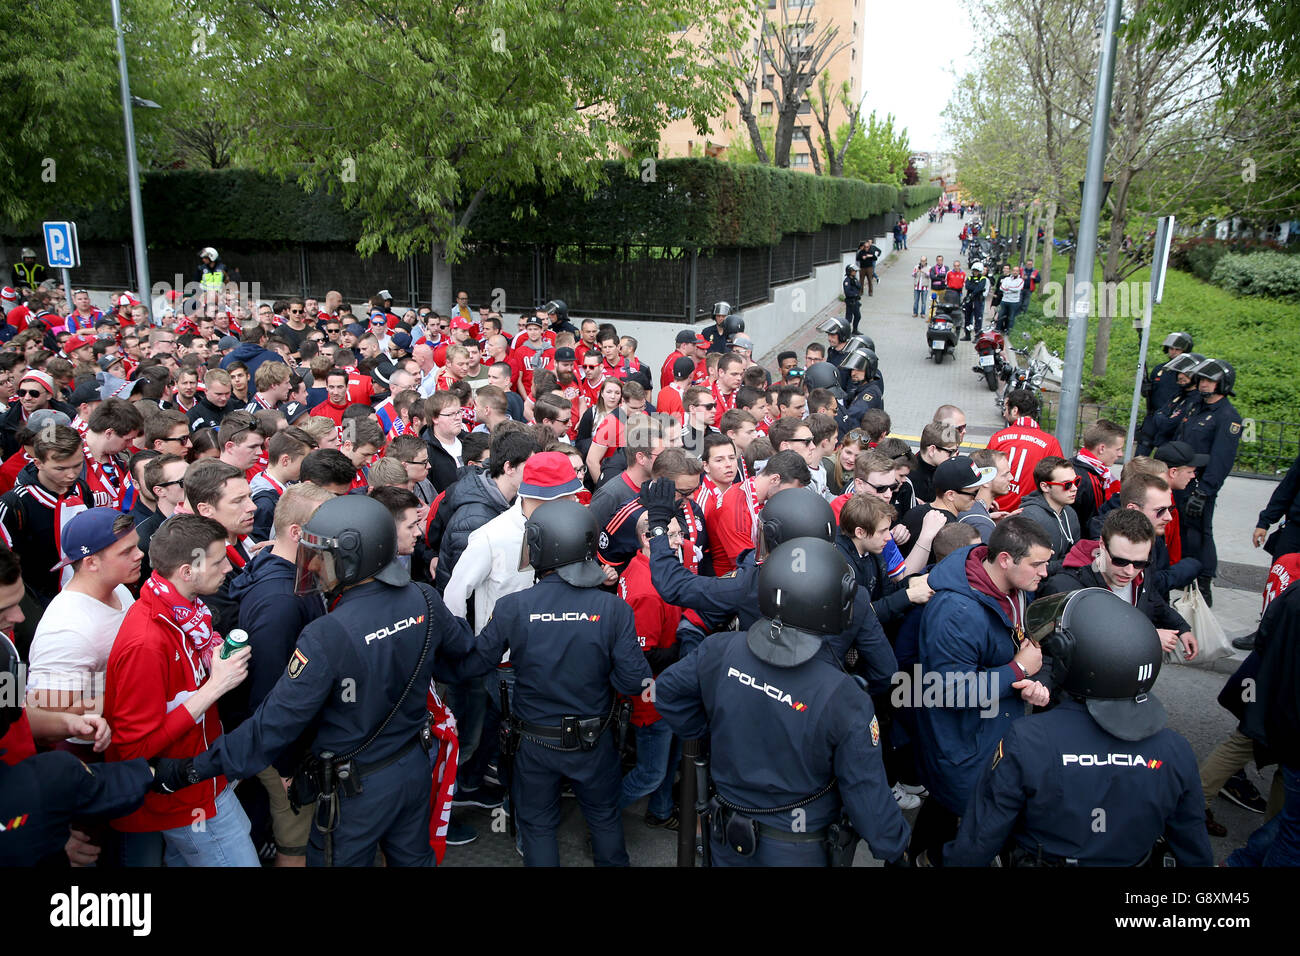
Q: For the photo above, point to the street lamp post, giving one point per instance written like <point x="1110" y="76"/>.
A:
<point x="132" y="167"/>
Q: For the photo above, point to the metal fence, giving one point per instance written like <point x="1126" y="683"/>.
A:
<point x="670" y="284"/>
<point x="1268" y="447"/>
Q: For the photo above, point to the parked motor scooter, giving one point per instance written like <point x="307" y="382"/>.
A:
<point x="991" y="361"/>
<point x="942" y="328"/>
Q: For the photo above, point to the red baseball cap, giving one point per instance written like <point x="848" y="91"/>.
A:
<point x="78" y="342"/>
<point x="460" y="322"/>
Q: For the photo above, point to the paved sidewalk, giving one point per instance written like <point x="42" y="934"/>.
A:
<point x="915" y="386"/>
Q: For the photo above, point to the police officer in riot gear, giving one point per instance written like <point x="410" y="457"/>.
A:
<point x="852" y="298"/>
<point x="558" y="314"/>
<point x="1161" y="425"/>
<point x="824" y="375"/>
<point x="1097" y="780"/>
<point x="792" y="513"/>
<point x="1214" y="429"/>
<point x="358" y="681"/>
<point x="837" y="335"/>
<point x="1161" y="386"/>
<point x="795" y="745"/>
<point x="865" y="389"/>
<point x="572" y="647"/>
<point x="718" y="334"/>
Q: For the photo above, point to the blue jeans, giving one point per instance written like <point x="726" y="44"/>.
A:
<point x="918" y="301"/>
<point x="1277" y="842"/>
<point x="468" y="702"/>
<point x="1007" y="317"/>
<point x="653" y="773"/>
<point x="223" y="839"/>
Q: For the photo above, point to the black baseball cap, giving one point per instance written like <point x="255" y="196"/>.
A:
<point x="685" y="336"/>
<point x="960" y="473"/>
<point x="1179" y="454"/>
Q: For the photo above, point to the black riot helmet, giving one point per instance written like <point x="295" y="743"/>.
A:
<point x="557" y="308"/>
<point x="348" y="539"/>
<point x="864" y="359"/>
<point x="1109" y="653"/>
<point x="1184" y="363"/>
<point x="835" y="326"/>
<point x="1177" y="340"/>
<point x="733" y="324"/>
<point x="823" y="375"/>
<point x="850" y="270"/>
<point x="794" y="513"/>
<point x="805" y="592"/>
<point x="560" y="536"/>
<point x="859" y="341"/>
<point x="721" y="308"/>
<point x="1217" y="371"/>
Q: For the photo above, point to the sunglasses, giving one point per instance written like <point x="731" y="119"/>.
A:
<point x="1164" y="512"/>
<point x="1072" y="483"/>
<point x="1126" y="563"/>
<point x="952" y="451"/>
<point x="881" y="489"/>
<point x="333" y="331"/>
<point x="709" y="405"/>
<point x="801" y="441"/>
<point x="167" y="484"/>
<point x="31" y="392"/>
<point x="295" y="311"/>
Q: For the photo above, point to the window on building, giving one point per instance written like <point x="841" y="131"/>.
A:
<point x="804" y="107"/>
<point x="799" y="159"/>
<point x="765" y="109"/>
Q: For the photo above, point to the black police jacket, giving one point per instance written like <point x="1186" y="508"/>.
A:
<point x="1061" y="787"/>
<point x="571" y="648"/>
<point x="779" y="734"/>
<point x="1214" y="430"/>
<point x="348" y="670"/>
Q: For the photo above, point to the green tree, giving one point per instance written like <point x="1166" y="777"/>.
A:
<point x="876" y="153"/>
<point x="62" y="107"/>
<point x="415" y="113"/>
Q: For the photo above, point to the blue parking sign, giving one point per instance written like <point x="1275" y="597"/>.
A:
<point x="61" y="250"/>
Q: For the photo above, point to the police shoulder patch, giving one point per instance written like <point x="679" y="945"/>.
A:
<point x="297" y="663"/>
<point x="1235" y="428"/>
<point x="875" y="731"/>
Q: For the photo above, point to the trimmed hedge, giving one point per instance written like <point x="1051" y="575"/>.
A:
<point x="688" y="202"/>
<point x="1201" y="255"/>
<point x="1269" y="274"/>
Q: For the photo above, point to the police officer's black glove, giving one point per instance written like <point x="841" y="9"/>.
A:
<point x="660" y="499"/>
<point x="170" y="774"/>
<point x="1196" y="503"/>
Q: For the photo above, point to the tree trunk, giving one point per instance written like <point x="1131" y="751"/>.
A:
<point x="441" y="295"/>
<point x="1049" y="241"/>
<point x="782" y="139"/>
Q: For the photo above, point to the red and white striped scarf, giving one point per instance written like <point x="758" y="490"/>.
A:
<point x="1109" y="483"/>
<point x="193" y="619"/>
<point x="444" y="762"/>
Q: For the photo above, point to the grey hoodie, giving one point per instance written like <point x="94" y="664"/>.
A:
<point x="1062" y="529"/>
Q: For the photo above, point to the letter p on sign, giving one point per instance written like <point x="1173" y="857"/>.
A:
<point x="61" y="249"/>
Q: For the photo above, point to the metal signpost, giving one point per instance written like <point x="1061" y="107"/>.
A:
<point x="1159" y="264"/>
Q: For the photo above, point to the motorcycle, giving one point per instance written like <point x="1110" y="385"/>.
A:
<point x="1030" y="376"/>
<point x="988" y="348"/>
<point x="945" y="319"/>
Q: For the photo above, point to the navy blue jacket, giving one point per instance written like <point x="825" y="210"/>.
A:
<point x="1213" y="430"/>
<point x="779" y="734"/>
<point x="252" y="355"/>
<point x="1053" y="775"/>
<point x="717" y="599"/>
<point x="470" y="503"/>
<point x="348" y="670"/>
<point x="571" y="648"/>
<point x="52" y="790"/>
<point x="965" y="634"/>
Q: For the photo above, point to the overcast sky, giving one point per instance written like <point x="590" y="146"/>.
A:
<point x="906" y="73"/>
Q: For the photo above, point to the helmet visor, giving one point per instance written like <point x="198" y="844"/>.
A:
<point x="315" y="569"/>
<point x="1043" y="617"/>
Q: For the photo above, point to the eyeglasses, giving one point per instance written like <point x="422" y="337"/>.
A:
<point x="183" y="439"/>
<point x="30" y="392"/>
<point x="1071" y="483"/>
<point x="687" y="492"/>
<point x="179" y="482"/>
<point x="589" y="367"/>
<point x="952" y="451"/>
<point x="450" y="413"/>
<point x="1127" y="563"/>
<point x="801" y="441"/>
<point x="422" y="462"/>
<point x="881" y="489"/>
<point x="1164" y="512"/>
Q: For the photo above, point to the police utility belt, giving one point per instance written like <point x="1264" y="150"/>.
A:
<point x="737" y="827"/>
<point x="572" y="734"/>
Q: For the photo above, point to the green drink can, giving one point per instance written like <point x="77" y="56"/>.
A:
<point x="233" y="642"/>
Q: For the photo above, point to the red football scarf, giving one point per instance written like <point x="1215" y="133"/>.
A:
<point x="444" y="761"/>
<point x="194" y="620"/>
<point x="1109" y="483"/>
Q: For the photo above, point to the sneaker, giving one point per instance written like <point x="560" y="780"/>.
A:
<point x="915" y="789"/>
<point x="1244" y="643"/>
<point x="486" y="796"/>
<point x="906" y="801"/>
<point x="669" y="822"/>
<point x="1213" y="827"/>
<point x="459" y="834"/>
<point x="1243" y="793"/>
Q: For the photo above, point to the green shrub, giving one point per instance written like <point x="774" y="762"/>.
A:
<point x="1200" y="255"/>
<point x="1269" y="274"/>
